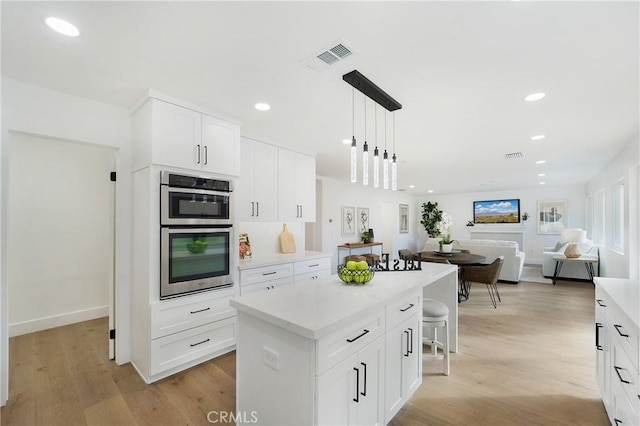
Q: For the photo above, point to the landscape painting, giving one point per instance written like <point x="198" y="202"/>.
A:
<point x="497" y="211"/>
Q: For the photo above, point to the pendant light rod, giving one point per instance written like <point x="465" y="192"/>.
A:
<point x="371" y="90"/>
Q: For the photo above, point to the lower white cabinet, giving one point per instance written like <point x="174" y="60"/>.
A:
<point x="617" y="356"/>
<point x="267" y="285"/>
<point x="351" y="392"/>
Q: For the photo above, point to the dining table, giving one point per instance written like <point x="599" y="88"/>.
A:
<point x="455" y="257"/>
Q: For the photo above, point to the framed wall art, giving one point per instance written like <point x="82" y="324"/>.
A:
<point x="348" y="220"/>
<point x="404" y="218"/>
<point x="552" y="216"/>
<point x="363" y="219"/>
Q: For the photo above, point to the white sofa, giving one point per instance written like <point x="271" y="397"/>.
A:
<point x="491" y="249"/>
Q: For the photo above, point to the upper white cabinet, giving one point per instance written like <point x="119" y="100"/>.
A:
<point x="296" y="186"/>
<point x="257" y="191"/>
<point x="167" y="134"/>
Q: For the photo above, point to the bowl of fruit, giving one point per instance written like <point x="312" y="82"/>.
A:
<point x="356" y="272"/>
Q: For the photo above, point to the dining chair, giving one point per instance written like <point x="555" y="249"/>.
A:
<point x="483" y="274"/>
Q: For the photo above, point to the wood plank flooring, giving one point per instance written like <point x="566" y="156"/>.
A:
<point x="528" y="362"/>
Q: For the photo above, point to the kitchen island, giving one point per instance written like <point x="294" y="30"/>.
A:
<point x="330" y="353"/>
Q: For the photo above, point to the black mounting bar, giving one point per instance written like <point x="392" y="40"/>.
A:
<point x="372" y="91"/>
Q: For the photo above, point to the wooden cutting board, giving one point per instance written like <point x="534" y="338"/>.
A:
<point x="287" y="244"/>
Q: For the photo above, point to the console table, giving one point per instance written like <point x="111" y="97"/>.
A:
<point x="357" y="246"/>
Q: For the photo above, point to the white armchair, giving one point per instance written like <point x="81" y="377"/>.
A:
<point x="570" y="269"/>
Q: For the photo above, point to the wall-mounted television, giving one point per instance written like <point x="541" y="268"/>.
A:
<point x="497" y="211"/>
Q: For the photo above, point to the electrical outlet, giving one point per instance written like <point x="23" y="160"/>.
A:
<point x="270" y="357"/>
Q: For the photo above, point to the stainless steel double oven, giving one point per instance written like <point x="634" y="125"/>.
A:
<point x="196" y="234"/>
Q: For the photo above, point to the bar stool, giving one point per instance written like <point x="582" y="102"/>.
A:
<point x="435" y="314"/>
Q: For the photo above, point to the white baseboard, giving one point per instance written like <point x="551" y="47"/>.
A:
<point x="39" y="324"/>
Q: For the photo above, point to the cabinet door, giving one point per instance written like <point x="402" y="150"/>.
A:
<point x="370" y="407"/>
<point x="176" y="134"/>
<point x="296" y="186"/>
<point x="306" y="187"/>
<point x="336" y="394"/>
<point x="245" y="194"/>
<point x="288" y="209"/>
<point x="266" y="181"/>
<point x="220" y="146"/>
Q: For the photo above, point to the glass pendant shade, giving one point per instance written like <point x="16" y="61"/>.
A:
<point x="376" y="168"/>
<point x="394" y="174"/>
<point x="365" y="164"/>
<point x="385" y="170"/>
<point x="354" y="161"/>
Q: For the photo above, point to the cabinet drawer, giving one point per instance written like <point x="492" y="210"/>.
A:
<point x="312" y="275"/>
<point x="172" y="316"/>
<point x="625" y="334"/>
<point x="339" y="345"/>
<point x="306" y="266"/>
<point x="266" y="273"/>
<point x="624" y="376"/>
<point x="404" y="307"/>
<point x="604" y="306"/>
<point x="177" y="349"/>
<point x="266" y="285"/>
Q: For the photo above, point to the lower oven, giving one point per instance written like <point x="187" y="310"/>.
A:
<point x="194" y="260"/>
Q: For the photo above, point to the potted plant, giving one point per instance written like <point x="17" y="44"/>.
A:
<point x="444" y="231"/>
<point x="431" y="215"/>
<point x="366" y="237"/>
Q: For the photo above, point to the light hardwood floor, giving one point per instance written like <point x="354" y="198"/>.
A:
<point x="528" y="362"/>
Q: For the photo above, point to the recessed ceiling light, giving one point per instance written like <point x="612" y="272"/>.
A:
<point x="412" y="186"/>
<point x="540" y="161"/>
<point x="542" y="183"/>
<point x="541" y="174"/>
<point x="346" y="141"/>
<point x="537" y="137"/>
<point x="430" y="191"/>
<point x="262" y="107"/>
<point x="534" y="97"/>
<point x="61" y="26"/>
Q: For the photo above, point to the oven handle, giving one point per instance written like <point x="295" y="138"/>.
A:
<point x="187" y="230"/>
<point x="166" y="189"/>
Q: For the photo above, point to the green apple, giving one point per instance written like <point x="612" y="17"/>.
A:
<point x="352" y="265"/>
<point x="362" y="265"/>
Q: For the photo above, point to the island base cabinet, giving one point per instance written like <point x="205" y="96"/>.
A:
<point x="404" y="364"/>
<point x="351" y="393"/>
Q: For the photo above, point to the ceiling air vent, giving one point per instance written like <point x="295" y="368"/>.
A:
<point x="330" y="55"/>
<point x="513" y="155"/>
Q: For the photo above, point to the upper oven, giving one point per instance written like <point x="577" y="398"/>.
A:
<point x="194" y="200"/>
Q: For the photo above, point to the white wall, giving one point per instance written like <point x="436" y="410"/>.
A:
<point x="35" y="110"/>
<point x="460" y="207"/>
<point x="60" y="240"/>
<point x="614" y="263"/>
<point x="384" y="207"/>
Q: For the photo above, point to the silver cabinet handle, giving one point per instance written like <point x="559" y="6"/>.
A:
<point x="252" y="209"/>
<point x="198" y="154"/>
<point x="199" y="343"/>
<point x="257" y="208"/>
<point x="206" y="157"/>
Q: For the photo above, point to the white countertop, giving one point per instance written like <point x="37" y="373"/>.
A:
<point x="321" y="306"/>
<point x="278" y="258"/>
<point x="625" y="293"/>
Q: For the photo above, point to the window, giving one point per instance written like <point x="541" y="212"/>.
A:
<point x="617" y="216"/>
<point x="598" y="218"/>
<point x="589" y="218"/>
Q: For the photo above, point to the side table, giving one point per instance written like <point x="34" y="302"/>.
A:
<point x="588" y="261"/>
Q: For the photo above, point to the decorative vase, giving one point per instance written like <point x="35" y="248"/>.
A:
<point x="572" y="251"/>
<point x="446" y="248"/>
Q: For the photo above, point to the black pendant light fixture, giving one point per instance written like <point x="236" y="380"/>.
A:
<point x="373" y="92"/>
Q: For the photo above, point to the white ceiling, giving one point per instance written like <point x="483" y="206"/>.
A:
<point x="460" y="70"/>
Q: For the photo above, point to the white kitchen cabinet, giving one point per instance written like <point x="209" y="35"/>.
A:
<point x="168" y="134"/>
<point x="351" y="392"/>
<point x="311" y="269"/>
<point x="617" y="356"/>
<point x="266" y="278"/>
<point x="257" y="191"/>
<point x="296" y="186"/>
<point x="220" y="146"/>
<point x="403" y="352"/>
